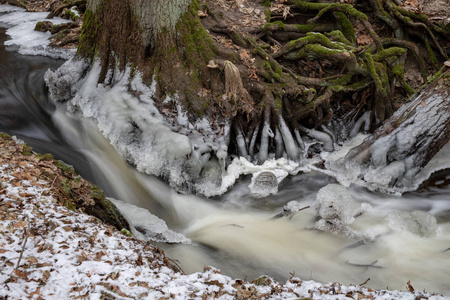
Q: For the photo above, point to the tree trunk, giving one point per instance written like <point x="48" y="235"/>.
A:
<point x="394" y="154"/>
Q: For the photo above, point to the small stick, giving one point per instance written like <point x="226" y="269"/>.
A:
<point x="26" y="233"/>
<point x="365" y="282"/>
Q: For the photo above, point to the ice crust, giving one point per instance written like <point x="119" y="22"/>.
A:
<point x="147" y="226"/>
<point x="417" y="222"/>
<point x="393" y="167"/>
<point x="191" y="156"/>
<point x="21" y="24"/>
<point x="336" y="210"/>
<point x="335" y="202"/>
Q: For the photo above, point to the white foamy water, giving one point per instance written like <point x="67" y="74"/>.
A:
<point x="21" y="24"/>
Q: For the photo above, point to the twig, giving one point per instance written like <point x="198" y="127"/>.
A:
<point x="26" y="233"/>
<point x="365" y="282"/>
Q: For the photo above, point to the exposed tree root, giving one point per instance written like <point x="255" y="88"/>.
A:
<point x="300" y="95"/>
<point x="285" y="81"/>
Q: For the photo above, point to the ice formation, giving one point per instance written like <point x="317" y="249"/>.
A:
<point x="191" y="156"/>
<point x="417" y="222"/>
<point x="336" y="210"/>
<point x="395" y="159"/>
<point x="147" y="226"/>
<point x="21" y="26"/>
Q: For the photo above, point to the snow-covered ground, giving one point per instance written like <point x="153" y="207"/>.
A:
<point x="50" y="252"/>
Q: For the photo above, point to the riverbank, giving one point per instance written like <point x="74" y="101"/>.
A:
<point x="51" y="250"/>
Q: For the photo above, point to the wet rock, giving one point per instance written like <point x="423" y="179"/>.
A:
<point x="43" y="26"/>
<point x="264" y="184"/>
<point x="417" y="222"/>
<point x="60" y="27"/>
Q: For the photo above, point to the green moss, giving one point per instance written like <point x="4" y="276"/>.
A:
<point x="126" y="232"/>
<point x="66" y="186"/>
<point x="72" y="15"/>
<point x="312" y="51"/>
<point x="373" y="72"/>
<point x="27" y="150"/>
<point x="338" y="36"/>
<point x="65" y="167"/>
<point x="266" y="3"/>
<point x="87" y="45"/>
<point x="344" y="80"/>
<point x="198" y="46"/>
<point x="70" y="204"/>
<point x="196" y="5"/>
<point x="435" y="76"/>
<point x="431" y="54"/>
<point x="277" y="25"/>
<point x="318" y="38"/>
<point x="5" y="136"/>
<point x="262" y="281"/>
<point x="96" y="192"/>
<point x="326" y="7"/>
<point x="389" y="52"/>
<point x="352" y="87"/>
<point x="45" y="157"/>
<point x="268" y="15"/>
<point x="38" y="26"/>
<point x="346" y="27"/>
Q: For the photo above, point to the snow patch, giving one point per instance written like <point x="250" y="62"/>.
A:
<point x="148" y="226"/>
<point x="21" y="24"/>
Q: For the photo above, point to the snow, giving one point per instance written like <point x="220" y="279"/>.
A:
<point x="21" y="24"/>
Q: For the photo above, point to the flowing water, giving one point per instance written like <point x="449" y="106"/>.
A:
<point x="237" y="232"/>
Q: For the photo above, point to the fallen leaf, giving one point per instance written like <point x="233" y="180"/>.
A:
<point x="20" y="274"/>
<point x="410" y="287"/>
<point x="45" y="276"/>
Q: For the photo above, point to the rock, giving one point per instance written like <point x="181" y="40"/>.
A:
<point x="264" y="184"/>
<point x="43" y="26"/>
<point x="417" y="222"/>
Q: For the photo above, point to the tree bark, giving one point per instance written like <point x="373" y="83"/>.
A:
<point x="394" y="154"/>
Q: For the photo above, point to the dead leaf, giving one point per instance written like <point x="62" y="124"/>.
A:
<point x="20" y="274"/>
<point x="202" y="14"/>
<point x="32" y="259"/>
<point x="98" y="255"/>
<point x="139" y="261"/>
<point x="410" y="287"/>
<point x="45" y="276"/>
<point x="364" y="39"/>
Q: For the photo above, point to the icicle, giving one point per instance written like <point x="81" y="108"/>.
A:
<point x="251" y="149"/>
<point x="330" y="133"/>
<point x="204" y="159"/>
<point x="264" y="147"/>
<point x="222" y="154"/>
<point x="364" y="119"/>
<point x="289" y="142"/>
<point x="279" y="143"/>
<point x="240" y="141"/>
<point x="323" y="137"/>
<point x="299" y="139"/>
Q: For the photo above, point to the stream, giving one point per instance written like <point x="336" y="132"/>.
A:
<point x="237" y="232"/>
